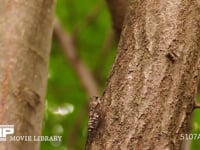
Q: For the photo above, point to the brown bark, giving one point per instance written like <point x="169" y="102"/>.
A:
<point x="150" y="94"/>
<point x="118" y="10"/>
<point x="25" y="38"/>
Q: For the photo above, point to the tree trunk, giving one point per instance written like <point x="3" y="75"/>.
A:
<point x="25" y="38"/>
<point x="149" y="96"/>
<point x="118" y="10"/>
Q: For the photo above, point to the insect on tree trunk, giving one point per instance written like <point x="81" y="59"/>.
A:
<point x="149" y="96"/>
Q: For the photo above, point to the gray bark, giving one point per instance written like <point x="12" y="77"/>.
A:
<point x="149" y="96"/>
<point x="25" y="38"/>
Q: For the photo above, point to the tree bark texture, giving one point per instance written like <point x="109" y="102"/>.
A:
<point x="149" y="96"/>
<point x="118" y="10"/>
<point x="25" y="39"/>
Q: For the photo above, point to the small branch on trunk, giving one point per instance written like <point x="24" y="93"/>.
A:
<point x="88" y="19"/>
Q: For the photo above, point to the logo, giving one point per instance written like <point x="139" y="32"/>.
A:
<point x="6" y="130"/>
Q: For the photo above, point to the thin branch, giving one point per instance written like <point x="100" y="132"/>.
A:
<point x="106" y="49"/>
<point x="88" y="19"/>
<point x="118" y="10"/>
<point x="70" y="50"/>
<point x="87" y="80"/>
<point x="73" y="136"/>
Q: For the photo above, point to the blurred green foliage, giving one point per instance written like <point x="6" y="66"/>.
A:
<point x="65" y="114"/>
<point x="196" y="128"/>
<point x="90" y="24"/>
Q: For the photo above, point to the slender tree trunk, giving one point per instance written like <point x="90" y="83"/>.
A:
<point x="118" y="10"/>
<point x="25" y="37"/>
<point x="149" y="96"/>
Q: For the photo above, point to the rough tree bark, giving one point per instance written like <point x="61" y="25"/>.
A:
<point x="149" y="96"/>
<point x="25" y="38"/>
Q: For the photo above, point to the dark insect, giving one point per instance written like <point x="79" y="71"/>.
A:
<point x="94" y="119"/>
<point x="94" y="116"/>
<point x="172" y="56"/>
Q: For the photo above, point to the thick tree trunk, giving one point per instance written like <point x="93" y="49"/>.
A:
<point x="25" y="37"/>
<point x="150" y="94"/>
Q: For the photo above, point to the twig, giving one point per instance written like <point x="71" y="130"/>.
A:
<point x="89" y="18"/>
<point x="118" y="11"/>
<point x="87" y="80"/>
<point x="67" y="44"/>
<point x="107" y="46"/>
